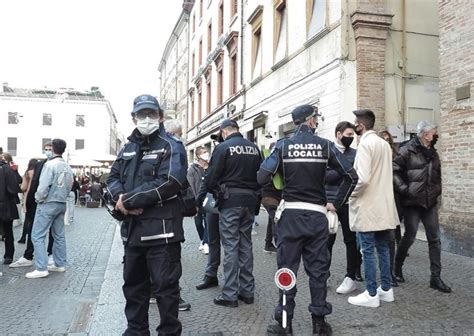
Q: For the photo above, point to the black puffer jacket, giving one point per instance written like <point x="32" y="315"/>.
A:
<point x="417" y="174"/>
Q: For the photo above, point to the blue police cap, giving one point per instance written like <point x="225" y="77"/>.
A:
<point x="303" y="113"/>
<point x="145" y="102"/>
<point x="229" y="123"/>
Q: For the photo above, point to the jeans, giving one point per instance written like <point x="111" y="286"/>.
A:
<point x="201" y="227"/>
<point x="236" y="238"/>
<point x="214" y="256"/>
<point x="353" y="257"/>
<point x="429" y="218"/>
<point x="49" y="215"/>
<point x="271" y="232"/>
<point x="369" y="241"/>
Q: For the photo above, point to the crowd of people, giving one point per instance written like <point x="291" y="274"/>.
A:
<point x="371" y="188"/>
<point x="43" y="200"/>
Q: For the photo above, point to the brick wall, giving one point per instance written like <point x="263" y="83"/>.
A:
<point x="370" y="29"/>
<point x="456" y="36"/>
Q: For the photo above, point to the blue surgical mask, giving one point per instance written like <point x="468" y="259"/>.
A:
<point x="49" y="154"/>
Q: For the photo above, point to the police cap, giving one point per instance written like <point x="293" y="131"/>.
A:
<point x="303" y="113"/>
<point x="229" y="123"/>
<point x="145" y="101"/>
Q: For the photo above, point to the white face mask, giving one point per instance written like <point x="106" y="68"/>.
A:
<point x="205" y="157"/>
<point x="147" y="126"/>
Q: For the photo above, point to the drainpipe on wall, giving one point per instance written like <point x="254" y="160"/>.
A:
<point x="404" y="67"/>
<point x="244" y="90"/>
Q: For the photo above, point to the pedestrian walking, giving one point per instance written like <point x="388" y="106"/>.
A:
<point x="417" y="177"/>
<point x="344" y="132"/>
<point x="232" y="175"/>
<point x="54" y="186"/>
<point x="9" y="189"/>
<point x="372" y="210"/>
<point x="195" y="176"/>
<point x="145" y="182"/>
<point x="302" y="228"/>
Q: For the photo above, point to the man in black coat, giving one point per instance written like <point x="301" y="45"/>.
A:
<point x="417" y="178"/>
<point x="9" y="189"/>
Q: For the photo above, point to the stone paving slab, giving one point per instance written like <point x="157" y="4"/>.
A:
<point x="418" y="310"/>
<point x="50" y="306"/>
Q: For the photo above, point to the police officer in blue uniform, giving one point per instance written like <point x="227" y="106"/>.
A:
<point x="145" y="182"/>
<point x="232" y="175"/>
<point x="302" y="230"/>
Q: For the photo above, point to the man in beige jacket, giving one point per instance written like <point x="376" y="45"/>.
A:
<point x="372" y="211"/>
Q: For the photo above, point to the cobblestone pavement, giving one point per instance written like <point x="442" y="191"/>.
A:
<point x="60" y="303"/>
<point x="69" y="303"/>
<point x="418" y="310"/>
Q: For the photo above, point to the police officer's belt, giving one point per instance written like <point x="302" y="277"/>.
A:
<point x="242" y="191"/>
<point x="306" y="206"/>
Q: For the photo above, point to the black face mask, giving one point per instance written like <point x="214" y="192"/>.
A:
<point x="347" y="141"/>
<point x="435" y="139"/>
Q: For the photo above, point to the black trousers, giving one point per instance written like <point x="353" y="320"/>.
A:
<point x="429" y="218"/>
<point x="303" y="233"/>
<point x="214" y="256"/>
<point x="271" y="209"/>
<point x="161" y="265"/>
<point x="353" y="256"/>
<point x="9" y="239"/>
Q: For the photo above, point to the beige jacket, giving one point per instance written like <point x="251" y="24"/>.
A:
<point x="372" y="204"/>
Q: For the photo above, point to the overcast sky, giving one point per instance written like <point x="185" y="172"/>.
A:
<point x="114" y="44"/>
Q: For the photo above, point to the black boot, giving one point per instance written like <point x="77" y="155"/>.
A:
<point x="437" y="283"/>
<point x="277" y="329"/>
<point x="208" y="282"/>
<point x="394" y="281"/>
<point x="321" y="327"/>
<point x="398" y="273"/>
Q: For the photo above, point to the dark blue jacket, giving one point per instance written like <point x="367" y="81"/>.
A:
<point x="234" y="164"/>
<point x="334" y="179"/>
<point x="150" y="171"/>
<point x="303" y="160"/>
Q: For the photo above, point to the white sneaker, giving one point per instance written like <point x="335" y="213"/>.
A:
<point x="50" y="260"/>
<point x="347" y="286"/>
<point x="22" y="262"/>
<point x="254" y="232"/>
<point x="365" y="300"/>
<point x="205" y="249"/>
<point x="386" y="296"/>
<point x="54" y="268"/>
<point x="37" y="274"/>
<point x="201" y="247"/>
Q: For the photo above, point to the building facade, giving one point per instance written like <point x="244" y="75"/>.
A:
<point x="456" y="31"/>
<point x="29" y="118"/>
<point x="173" y="70"/>
<point x="215" y="87"/>
<point x="256" y="60"/>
